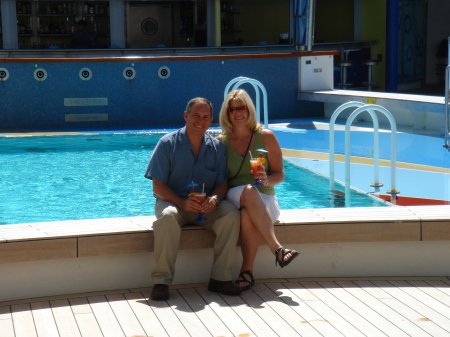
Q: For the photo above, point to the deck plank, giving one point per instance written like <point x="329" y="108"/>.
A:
<point x="206" y="315"/>
<point x="64" y="318"/>
<point x="257" y="325"/>
<point x="348" y="314"/>
<point x="125" y="315"/>
<point x="232" y="320"/>
<point x="105" y="316"/>
<point x="424" y="304"/>
<point x="291" y="294"/>
<point x="286" y="312"/>
<point x="145" y="315"/>
<point x="167" y="316"/>
<point x="276" y="319"/>
<point x="330" y="314"/>
<point x="44" y="320"/>
<point x="367" y="313"/>
<point x="23" y="320"/>
<point x="395" y="318"/>
<point x="399" y="302"/>
<point x="440" y="285"/>
<point x="325" y="307"/>
<point x="426" y="300"/>
<point x="6" y="322"/>
<point x="187" y="316"/>
<point x="84" y="317"/>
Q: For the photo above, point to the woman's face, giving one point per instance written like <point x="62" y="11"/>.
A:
<point x="237" y="113"/>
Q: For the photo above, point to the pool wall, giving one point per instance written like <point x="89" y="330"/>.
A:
<point x="155" y="97"/>
<point x="70" y="257"/>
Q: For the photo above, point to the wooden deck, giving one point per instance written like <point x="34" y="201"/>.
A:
<point x="283" y="307"/>
<point x="403" y="237"/>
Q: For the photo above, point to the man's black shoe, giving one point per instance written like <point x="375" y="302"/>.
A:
<point x="224" y="287"/>
<point x="160" y="292"/>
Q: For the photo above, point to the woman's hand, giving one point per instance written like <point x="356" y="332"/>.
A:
<point x="261" y="175"/>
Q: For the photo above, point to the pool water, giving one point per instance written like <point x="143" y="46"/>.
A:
<point x="102" y="176"/>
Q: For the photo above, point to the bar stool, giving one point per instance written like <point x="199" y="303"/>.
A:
<point x="344" y="64"/>
<point x="370" y="83"/>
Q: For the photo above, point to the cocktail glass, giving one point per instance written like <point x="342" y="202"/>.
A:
<point x="255" y="163"/>
<point x="201" y="197"/>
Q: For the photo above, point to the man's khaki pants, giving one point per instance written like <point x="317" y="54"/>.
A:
<point x="224" y="221"/>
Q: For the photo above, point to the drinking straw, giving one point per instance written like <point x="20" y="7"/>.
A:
<point x="251" y="157"/>
<point x="203" y="191"/>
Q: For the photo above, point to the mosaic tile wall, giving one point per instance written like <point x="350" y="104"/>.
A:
<point x="136" y="94"/>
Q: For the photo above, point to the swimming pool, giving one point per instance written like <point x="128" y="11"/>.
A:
<point x="101" y="176"/>
<point x="422" y="165"/>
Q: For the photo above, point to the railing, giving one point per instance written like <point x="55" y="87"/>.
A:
<point x="370" y="108"/>
<point x="237" y="82"/>
<point x="304" y="21"/>
<point x="447" y="133"/>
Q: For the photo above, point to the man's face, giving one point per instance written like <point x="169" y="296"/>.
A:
<point x="199" y="119"/>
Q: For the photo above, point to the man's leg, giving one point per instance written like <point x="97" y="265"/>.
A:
<point x="166" y="232"/>
<point x="226" y="227"/>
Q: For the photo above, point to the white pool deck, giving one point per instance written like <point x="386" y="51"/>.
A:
<point x="327" y="307"/>
<point x="361" y="272"/>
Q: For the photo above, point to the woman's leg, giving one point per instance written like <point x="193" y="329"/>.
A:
<point x="260" y="219"/>
<point x="259" y="216"/>
<point x="250" y="239"/>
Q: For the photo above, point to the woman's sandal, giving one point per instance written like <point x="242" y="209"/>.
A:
<point x="250" y="282"/>
<point x="285" y="252"/>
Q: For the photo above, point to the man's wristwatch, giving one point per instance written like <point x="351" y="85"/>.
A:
<point x="216" y="199"/>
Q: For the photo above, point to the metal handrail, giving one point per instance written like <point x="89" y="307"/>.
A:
<point x="233" y="81"/>
<point x="370" y="108"/>
<point x="256" y="85"/>
<point x="447" y="135"/>
<point x="331" y="136"/>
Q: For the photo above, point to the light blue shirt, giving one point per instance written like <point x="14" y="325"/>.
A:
<point x="174" y="162"/>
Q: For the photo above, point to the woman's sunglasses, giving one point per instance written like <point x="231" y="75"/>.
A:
<point x="239" y="108"/>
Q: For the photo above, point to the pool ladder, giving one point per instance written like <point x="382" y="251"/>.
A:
<point x="370" y="108"/>
<point x="237" y="82"/>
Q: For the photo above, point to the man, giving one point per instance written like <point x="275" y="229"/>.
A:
<point x="190" y="155"/>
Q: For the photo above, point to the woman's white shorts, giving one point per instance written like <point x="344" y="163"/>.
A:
<point x="271" y="201"/>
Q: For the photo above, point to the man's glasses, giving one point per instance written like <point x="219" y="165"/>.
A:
<point x="239" y="108"/>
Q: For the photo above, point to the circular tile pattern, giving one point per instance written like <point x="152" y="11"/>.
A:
<point x="40" y="74"/>
<point x="129" y="73"/>
<point x="164" y="72"/>
<point x="4" y="74"/>
<point x="85" y="74"/>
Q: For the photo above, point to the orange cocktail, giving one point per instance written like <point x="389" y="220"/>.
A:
<point x="255" y="164"/>
<point x="200" y="197"/>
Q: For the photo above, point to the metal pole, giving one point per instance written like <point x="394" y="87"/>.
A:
<point x="310" y="25"/>
<point x="447" y="73"/>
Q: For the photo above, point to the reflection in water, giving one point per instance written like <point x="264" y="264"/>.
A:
<point x="338" y="198"/>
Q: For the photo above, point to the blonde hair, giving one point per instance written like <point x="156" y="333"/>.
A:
<point x="243" y="98"/>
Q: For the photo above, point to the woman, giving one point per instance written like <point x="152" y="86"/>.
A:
<point x="259" y="208"/>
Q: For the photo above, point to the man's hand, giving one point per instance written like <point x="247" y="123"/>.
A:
<point x="199" y="206"/>
<point x="193" y="204"/>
